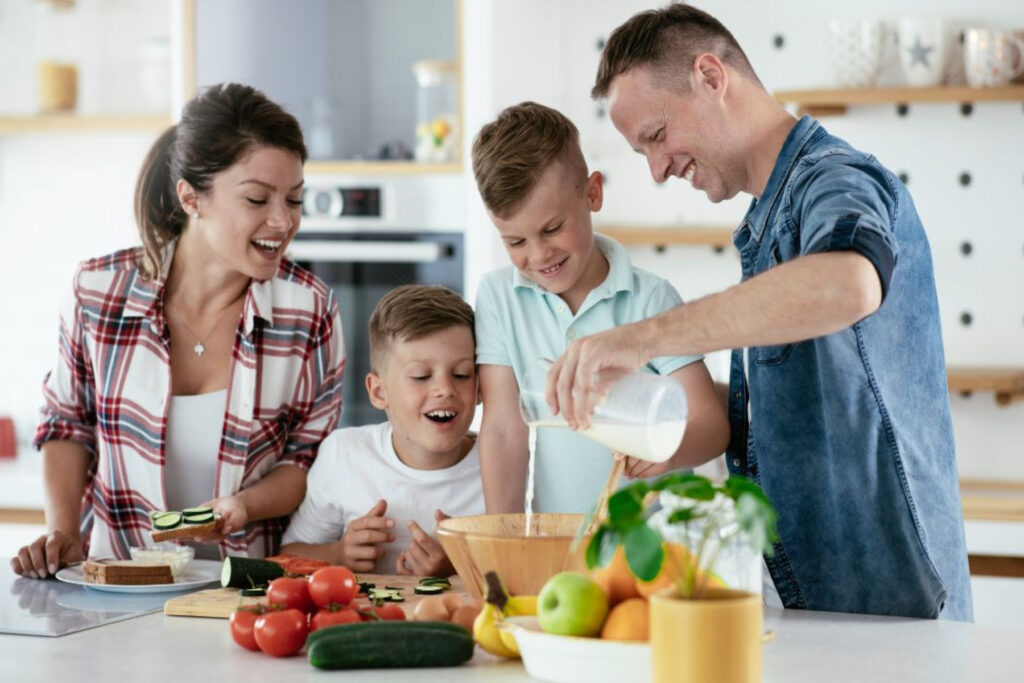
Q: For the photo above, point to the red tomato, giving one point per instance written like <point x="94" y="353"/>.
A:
<point x="290" y="594"/>
<point x="281" y="633"/>
<point x="332" y="585"/>
<point x="325" y="618"/>
<point x="242" y="622"/>
<point x="388" y="611"/>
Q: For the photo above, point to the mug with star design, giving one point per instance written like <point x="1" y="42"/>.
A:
<point x="923" y="45"/>
<point x="992" y="57"/>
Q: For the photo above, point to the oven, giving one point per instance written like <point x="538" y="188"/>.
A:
<point x="364" y="239"/>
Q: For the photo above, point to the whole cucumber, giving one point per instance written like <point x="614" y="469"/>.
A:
<point x="389" y="644"/>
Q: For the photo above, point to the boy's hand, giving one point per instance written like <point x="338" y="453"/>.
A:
<point x="424" y="556"/>
<point x="363" y="535"/>
<point x="641" y="469"/>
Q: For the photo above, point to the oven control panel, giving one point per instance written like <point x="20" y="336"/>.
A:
<point x="342" y="202"/>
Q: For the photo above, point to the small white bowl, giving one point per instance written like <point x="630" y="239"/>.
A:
<point x="567" y="659"/>
<point x="177" y="556"/>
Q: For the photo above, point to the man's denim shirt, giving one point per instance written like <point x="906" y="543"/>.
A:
<point x="850" y="434"/>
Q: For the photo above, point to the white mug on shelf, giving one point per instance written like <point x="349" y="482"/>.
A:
<point x="922" y="45"/>
<point x="992" y="57"/>
<point x="856" y="46"/>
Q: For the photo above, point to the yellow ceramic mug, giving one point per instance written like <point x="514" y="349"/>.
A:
<point x="716" y="638"/>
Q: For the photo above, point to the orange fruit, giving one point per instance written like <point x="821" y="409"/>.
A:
<point x="676" y="558"/>
<point x="615" y="579"/>
<point x="627" y="621"/>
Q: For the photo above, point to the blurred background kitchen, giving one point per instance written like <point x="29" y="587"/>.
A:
<point x="390" y="93"/>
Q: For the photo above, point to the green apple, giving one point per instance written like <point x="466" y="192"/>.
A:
<point x="571" y="604"/>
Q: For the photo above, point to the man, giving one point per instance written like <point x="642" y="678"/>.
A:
<point x="837" y="397"/>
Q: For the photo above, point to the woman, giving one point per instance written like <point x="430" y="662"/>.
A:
<point x="201" y="366"/>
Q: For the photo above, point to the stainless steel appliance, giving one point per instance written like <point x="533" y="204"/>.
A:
<point x="366" y="238"/>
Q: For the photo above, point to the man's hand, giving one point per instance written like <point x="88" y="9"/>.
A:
<point x="580" y="378"/>
<point x="424" y="556"/>
<point x="47" y="554"/>
<point x="363" y="536"/>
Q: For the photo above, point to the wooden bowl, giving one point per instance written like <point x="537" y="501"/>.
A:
<point x="482" y="543"/>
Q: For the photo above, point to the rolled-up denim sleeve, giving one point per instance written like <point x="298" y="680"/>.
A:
<point x="848" y="204"/>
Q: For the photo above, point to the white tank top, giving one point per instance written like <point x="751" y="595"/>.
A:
<point x="194" y="428"/>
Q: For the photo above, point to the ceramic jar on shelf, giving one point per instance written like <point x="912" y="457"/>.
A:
<point x="56" y="42"/>
<point x="437" y="110"/>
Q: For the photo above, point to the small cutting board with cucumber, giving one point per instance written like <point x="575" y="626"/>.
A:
<point x="221" y="602"/>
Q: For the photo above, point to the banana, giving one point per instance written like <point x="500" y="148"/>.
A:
<point x="487" y="634"/>
<point x="487" y="630"/>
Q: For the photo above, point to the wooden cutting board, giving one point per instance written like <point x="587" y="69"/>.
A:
<point x="219" y="603"/>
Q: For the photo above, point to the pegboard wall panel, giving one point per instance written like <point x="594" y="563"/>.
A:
<point x="964" y="166"/>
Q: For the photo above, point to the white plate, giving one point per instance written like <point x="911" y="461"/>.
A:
<point x="566" y="659"/>
<point x="199" y="573"/>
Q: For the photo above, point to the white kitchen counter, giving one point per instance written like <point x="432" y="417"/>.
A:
<point x="809" y="646"/>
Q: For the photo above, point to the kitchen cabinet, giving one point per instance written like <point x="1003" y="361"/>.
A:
<point x="83" y="66"/>
<point x="343" y="69"/>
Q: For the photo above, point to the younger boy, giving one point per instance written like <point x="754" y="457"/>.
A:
<point x="564" y="283"/>
<point x="374" y="490"/>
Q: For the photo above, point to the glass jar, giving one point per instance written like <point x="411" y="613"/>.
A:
<point x="57" y="39"/>
<point x="437" y="118"/>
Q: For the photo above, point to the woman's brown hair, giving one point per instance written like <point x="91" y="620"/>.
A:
<point x="217" y="128"/>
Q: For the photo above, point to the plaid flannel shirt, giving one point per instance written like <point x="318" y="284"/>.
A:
<point x="111" y="386"/>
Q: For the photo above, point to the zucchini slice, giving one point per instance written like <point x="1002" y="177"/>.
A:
<point x="167" y="520"/>
<point x="248" y="572"/>
<point x="208" y="517"/>
<point x="428" y="590"/>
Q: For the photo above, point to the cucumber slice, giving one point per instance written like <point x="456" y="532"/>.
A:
<point x="208" y="517"/>
<point x="428" y="590"/>
<point x="167" y="520"/>
<point x="197" y="512"/>
<point x="253" y="592"/>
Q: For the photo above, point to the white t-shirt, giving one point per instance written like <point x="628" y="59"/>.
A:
<point x="356" y="467"/>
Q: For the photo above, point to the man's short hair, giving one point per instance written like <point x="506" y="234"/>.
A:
<point x="511" y="153"/>
<point x="667" y="41"/>
<point x="412" y="312"/>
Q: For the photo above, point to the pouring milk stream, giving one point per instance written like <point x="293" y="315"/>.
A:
<point x="643" y="416"/>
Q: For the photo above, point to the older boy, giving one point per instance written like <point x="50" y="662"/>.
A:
<point x="564" y="283"/>
<point x="374" y="490"/>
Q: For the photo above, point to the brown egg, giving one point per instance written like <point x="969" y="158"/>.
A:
<point x="452" y="601"/>
<point x="431" y="608"/>
<point x="464" y="616"/>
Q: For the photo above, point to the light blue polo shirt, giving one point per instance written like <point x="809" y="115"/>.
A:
<point x="517" y="322"/>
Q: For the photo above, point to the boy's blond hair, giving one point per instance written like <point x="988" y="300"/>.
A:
<point x="511" y="153"/>
<point x="412" y="312"/>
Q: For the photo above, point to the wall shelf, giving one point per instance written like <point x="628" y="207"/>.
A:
<point x="832" y="102"/>
<point x="992" y="501"/>
<point x="74" y="123"/>
<point x="1006" y="383"/>
<point x="630" y="235"/>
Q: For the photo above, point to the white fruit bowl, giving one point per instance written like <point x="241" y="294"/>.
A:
<point x="567" y="659"/>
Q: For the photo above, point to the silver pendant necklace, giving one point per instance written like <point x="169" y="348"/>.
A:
<point x="199" y="349"/>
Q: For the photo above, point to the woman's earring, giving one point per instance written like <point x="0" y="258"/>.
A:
<point x="195" y="215"/>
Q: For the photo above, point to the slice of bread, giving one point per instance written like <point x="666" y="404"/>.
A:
<point x="126" y="572"/>
<point x="185" y="530"/>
